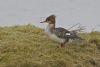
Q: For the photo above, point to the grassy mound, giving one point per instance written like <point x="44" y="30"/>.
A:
<point x="27" y="46"/>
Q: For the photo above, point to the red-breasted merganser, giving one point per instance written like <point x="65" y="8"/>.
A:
<point x="57" y="34"/>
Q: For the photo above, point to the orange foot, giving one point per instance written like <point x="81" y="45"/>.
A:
<point x="62" y="45"/>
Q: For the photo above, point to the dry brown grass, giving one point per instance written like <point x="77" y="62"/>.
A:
<point x="27" y="46"/>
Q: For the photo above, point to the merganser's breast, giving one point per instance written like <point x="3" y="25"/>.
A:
<point x="55" y="37"/>
<point x="51" y="34"/>
<point x="58" y="34"/>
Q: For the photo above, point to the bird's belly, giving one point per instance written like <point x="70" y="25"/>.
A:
<point x="55" y="38"/>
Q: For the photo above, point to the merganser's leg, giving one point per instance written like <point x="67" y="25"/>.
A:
<point x="62" y="44"/>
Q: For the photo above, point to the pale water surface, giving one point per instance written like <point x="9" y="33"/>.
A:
<point x="68" y="12"/>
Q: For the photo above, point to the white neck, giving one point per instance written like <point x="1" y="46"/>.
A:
<point x="50" y="27"/>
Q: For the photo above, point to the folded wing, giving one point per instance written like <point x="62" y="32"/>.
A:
<point x="61" y="32"/>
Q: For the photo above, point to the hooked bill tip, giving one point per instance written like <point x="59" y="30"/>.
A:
<point x="41" y="22"/>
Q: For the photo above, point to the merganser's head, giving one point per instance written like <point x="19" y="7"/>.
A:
<point x="50" y="19"/>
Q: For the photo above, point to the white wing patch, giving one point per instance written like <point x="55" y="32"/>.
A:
<point x="67" y="33"/>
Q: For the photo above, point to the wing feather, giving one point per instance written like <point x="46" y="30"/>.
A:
<point x="61" y="32"/>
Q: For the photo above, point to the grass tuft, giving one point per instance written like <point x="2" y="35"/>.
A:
<point x="28" y="46"/>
